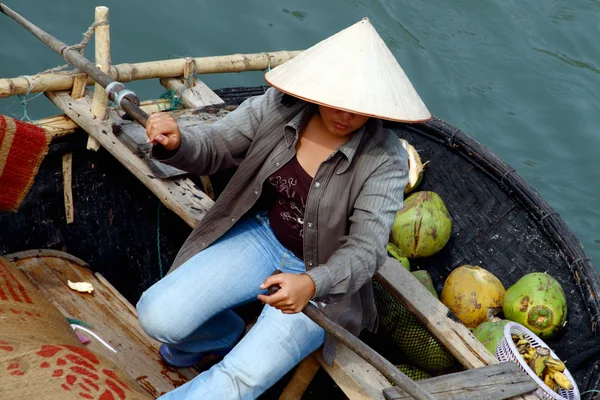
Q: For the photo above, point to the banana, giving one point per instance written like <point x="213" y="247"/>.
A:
<point x="536" y="363"/>
<point x="554" y="364"/>
<point x="549" y="381"/>
<point x="562" y="380"/>
<point x="523" y="341"/>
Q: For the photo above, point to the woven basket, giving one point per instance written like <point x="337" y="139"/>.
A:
<point x="507" y="351"/>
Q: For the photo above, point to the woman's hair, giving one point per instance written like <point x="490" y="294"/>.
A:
<point x="288" y="100"/>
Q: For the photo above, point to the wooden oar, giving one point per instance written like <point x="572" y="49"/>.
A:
<point x="74" y="58"/>
<point x="386" y="368"/>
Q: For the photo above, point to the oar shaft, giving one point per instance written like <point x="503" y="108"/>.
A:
<point x="388" y="370"/>
<point x="75" y="58"/>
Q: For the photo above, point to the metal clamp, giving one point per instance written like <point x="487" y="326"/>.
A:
<point x="116" y="92"/>
<point x="113" y="88"/>
<point x="126" y="93"/>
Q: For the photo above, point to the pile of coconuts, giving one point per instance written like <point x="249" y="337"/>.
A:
<point x="420" y="229"/>
<point x="536" y="301"/>
<point x="423" y="227"/>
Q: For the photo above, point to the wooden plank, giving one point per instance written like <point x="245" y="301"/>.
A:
<point x="67" y="168"/>
<point x="438" y="319"/>
<point x="133" y="135"/>
<point x="197" y="96"/>
<point x="304" y="374"/>
<point x="61" y="125"/>
<point x="179" y="194"/>
<point x="112" y="317"/>
<point x="493" y="382"/>
<point x="456" y="337"/>
<point x="358" y="379"/>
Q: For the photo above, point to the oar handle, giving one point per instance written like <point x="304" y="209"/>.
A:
<point x="386" y="368"/>
<point x="75" y="58"/>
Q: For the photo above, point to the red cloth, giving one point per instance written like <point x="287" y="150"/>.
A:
<point x="22" y="149"/>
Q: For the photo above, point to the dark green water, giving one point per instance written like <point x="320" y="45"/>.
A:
<point x="521" y="77"/>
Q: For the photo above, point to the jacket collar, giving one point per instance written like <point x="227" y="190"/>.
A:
<point x="293" y="128"/>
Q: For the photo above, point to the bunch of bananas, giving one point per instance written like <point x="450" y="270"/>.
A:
<point x="547" y="368"/>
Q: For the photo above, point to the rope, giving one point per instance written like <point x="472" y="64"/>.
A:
<point x="78" y="47"/>
<point x="550" y="214"/>
<point x="176" y="102"/>
<point x="25" y="101"/>
<point x="158" y="239"/>
<point x="510" y="171"/>
<point x="451" y="138"/>
<point x="586" y="259"/>
<point x="591" y="391"/>
<point x="268" y="58"/>
<point x="190" y="79"/>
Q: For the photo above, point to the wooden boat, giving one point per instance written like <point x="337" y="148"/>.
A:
<point x="500" y="222"/>
<point x="117" y="224"/>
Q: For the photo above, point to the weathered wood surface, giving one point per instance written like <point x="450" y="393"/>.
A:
<point x="494" y="382"/>
<point x="438" y="319"/>
<point x="179" y="194"/>
<point x="110" y="316"/>
<point x="199" y="95"/>
<point x="61" y="125"/>
<point x="134" y="137"/>
<point x="305" y="372"/>
<point x="456" y="337"/>
<point x="358" y="379"/>
<point x="67" y="170"/>
<point x="148" y="70"/>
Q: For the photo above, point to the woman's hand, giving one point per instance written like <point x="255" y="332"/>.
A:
<point x="296" y="290"/>
<point x="163" y="129"/>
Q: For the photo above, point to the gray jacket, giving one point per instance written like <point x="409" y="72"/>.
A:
<point x="349" y="210"/>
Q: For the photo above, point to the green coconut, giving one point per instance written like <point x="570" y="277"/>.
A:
<point x="422" y="227"/>
<point x="538" y="302"/>
<point x="395" y="252"/>
<point x="424" y="277"/>
<point x="490" y="334"/>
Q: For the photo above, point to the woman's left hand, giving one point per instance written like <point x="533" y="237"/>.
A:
<point x="296" y="290"/>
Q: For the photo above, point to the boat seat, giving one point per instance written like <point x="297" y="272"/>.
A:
<point x="106" y="312"/>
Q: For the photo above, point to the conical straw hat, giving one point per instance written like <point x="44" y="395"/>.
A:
<point x="352" y="70"/>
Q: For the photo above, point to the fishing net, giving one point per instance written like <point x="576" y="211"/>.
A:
<point x="417" y="346"/>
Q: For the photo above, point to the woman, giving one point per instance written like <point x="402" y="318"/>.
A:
<point x="316" y="189"/>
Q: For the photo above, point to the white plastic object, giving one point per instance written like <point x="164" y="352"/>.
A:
<point x="507" y="351"/>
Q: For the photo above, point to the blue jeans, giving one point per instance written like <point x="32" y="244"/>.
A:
<point x="190" y="309"/>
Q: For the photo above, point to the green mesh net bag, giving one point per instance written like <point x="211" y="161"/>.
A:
<point x="421" y="349"/>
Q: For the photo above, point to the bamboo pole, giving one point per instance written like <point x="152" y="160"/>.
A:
<point x="79" y="86"/>
<point x="102" y="37"/>
<point x="149" y="70"/>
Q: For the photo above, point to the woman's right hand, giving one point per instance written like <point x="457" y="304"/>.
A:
<point x="162" y="129"/>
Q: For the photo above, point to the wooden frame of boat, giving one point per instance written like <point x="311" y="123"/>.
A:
<point x="181" y="195"/>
